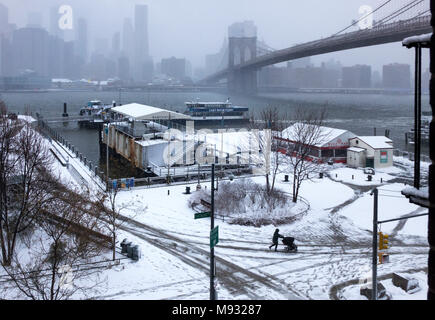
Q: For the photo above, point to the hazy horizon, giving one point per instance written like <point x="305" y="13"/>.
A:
<point x="193" y="28"/>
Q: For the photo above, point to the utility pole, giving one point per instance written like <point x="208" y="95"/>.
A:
<point x="107" y="154"/>
<point x="169" y="144"/>
<point x="375" y="192"/>
<point x="212" y="262"/>
<point x="417" y="117"/>
<point x="431" y="179"/>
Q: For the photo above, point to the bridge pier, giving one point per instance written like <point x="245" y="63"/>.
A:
<point x="243" y="82"/>
<point x="241" y="50"/>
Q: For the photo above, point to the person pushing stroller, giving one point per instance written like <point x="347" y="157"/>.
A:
<point x="275" y="238"/>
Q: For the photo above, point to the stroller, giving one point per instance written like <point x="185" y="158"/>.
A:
<point x="290" y="245"/>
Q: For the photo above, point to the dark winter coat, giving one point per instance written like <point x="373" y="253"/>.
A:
<point x="276" y="235"/>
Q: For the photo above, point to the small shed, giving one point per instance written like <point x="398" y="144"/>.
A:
<point x="370" y="151"/>
<point x="356" y="157"/>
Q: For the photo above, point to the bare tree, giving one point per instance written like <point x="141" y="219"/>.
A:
<point x="111" y="213"/>
<point x="271" y="125"/>
<point x="60" y="253"/>
<point x="300" y="141"/>
<point x="24" y="159"/>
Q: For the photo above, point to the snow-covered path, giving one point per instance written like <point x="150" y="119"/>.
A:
<point x="333" y="237"/>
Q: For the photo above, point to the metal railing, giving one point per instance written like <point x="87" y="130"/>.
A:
<point x="410" y="155"/>
<point x="94" y="171"/>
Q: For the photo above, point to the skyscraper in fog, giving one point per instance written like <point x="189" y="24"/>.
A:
<point x="359" y="76"/>
<point x="396" y="76"/>
<point x="141" y="48"/>
<point x="30" y="50"/>
<point x="123" y="68"/>
<point x="34" y="20"/>
<point x="54" y="23"/>
<point x="141" y="31"/>
<point x="4" y="19"/>
<point x="128" y="39"/>
<point x="173" y="67"/>
<point x="102" y="46"/>
<point x="82" y="39"/>
<point x="116" y="45"/>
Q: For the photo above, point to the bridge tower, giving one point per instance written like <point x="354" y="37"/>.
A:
<point x="241" y="50"/>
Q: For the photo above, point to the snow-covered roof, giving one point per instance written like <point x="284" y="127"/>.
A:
<point x="423" y="39"/>
<point x="356" y="149"/>
<point x="62" y="80"/>
<point x="26" y="118"/>
<point x="147" y="143"/>
<point x="234" y="142"/>
<point x="377" y="142"/>
<point x="143" y="112"/>
<point x="326" y="134"/>
<point x="422" y="193"/>
<point x="209" y="103"/>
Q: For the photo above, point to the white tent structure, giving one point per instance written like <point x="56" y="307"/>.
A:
<point x="140" y="112"/>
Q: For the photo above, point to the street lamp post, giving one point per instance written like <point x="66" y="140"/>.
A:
<point x="107" y="153"/>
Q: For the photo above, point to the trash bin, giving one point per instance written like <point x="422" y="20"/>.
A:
<point x="127" y="247"/>
<point x="369" y="177"/>
<point x="286" y="178"/>
<point x="135" y="253"/>
<point x="129" y="250"/>
<point x="187" y="190"/>
<point x="123" y="246"/>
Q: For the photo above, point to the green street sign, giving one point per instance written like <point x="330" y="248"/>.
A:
<point x="202" y="215"/>
<point x="214" y="237"/>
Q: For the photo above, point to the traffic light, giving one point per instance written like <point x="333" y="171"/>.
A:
<point x="383" y="241"/>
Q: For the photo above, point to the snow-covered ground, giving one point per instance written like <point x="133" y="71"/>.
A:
<point x="357" y="177"/>
<point x="333" y="237"/>
<point x="353" y="292"/>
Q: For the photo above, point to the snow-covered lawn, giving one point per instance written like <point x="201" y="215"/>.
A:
<point x="392" y="204"/>
<point x="306" y="274"/>
<point x="333" y="238"/>
<point x="357" y="177"/>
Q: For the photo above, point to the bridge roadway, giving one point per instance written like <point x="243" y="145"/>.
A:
<point x="387" y="33"/>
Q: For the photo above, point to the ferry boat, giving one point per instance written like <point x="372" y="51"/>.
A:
<point x="217" y="112"/>
<point x="94" y="107"/>
<point x="425" y="124"/>
<point x="94" y="113"/>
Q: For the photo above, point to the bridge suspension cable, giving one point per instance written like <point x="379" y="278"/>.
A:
<point x="364" y="17"/>
<point x="400" y="11"/>
<point x="421" y="13"/>
<point x="387" y="17"/>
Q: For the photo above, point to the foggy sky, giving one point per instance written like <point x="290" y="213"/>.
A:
<point x="193" y="28"/>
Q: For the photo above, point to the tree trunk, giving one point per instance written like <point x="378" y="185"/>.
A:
<point x="267" y="183"/>
<point x="114" y="246"/>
